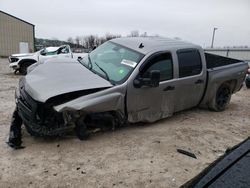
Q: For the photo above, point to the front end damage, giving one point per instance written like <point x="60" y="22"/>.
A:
<point x="39" y="118"/>
<point x="81" y="110"/>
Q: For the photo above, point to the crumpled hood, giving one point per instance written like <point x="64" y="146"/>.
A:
<point x="61" y="76"/>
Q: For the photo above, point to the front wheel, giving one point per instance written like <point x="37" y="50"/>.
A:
<point x="81" y="130"/>
<point x="23" y="67"/>
<point x="221" y="98"/>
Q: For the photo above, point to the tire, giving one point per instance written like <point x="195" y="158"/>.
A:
<point x="221" y="98"/>
<point x="81" y="130"/>
<point x="23" y="67"/>
<point x="32" y="133"/>
<point x="247" y="82"/>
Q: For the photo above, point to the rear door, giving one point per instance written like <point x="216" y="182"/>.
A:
<point x="152" y="103"/>
<point x="191" y="81"/>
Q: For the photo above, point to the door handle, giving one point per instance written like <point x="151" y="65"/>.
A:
<point x="168" y="88"/>
<point x="199" y="81"/>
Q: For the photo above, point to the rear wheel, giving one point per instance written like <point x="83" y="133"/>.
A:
<point x="222" y="98"/>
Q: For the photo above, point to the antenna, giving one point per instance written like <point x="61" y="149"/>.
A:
<point x="141" y="45"/>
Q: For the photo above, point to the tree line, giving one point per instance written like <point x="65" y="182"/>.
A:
<point x="91" y="41"/>
<point x="84" y="42"/>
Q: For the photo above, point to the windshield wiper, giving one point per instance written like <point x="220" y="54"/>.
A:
<point x="106" y="74"/>
<point x="90" y="62"/>
<point x="82" y="63"/>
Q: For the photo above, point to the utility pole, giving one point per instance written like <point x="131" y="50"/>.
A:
<point x="212" y="45"/>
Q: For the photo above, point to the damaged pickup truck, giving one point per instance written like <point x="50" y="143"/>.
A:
<point x="125" y="80"/>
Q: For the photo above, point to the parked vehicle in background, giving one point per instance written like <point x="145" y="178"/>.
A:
<point x="20" y="62"/>
<point x="140" y="79"/>
<point x="247" y="81"/>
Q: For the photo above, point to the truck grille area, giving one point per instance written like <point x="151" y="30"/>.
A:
<point x="40" y="119"/>
<point x="26" y="106"/>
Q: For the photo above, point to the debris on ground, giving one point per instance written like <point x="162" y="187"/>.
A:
<point x="186" y="153"/>
<point x="157" y="141"/>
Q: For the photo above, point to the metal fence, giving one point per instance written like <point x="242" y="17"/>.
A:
<point x="237" y="53"/>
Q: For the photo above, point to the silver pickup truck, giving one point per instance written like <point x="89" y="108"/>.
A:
<point x="125" y="80"/>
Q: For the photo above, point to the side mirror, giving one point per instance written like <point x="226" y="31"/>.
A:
<point x="79" y="58"/>
<point x="152" y="81"/>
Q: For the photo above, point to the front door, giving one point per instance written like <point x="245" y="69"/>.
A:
<point x="149" y="104"/>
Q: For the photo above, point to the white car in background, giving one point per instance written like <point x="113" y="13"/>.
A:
<point x="20" y="62"/>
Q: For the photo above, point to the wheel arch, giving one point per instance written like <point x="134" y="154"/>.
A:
<point x="232" y="83"/>
<point x="27" y="61"/>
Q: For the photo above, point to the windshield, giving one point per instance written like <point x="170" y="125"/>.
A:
<point x="112" y="61"/>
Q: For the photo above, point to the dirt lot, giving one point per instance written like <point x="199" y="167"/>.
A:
<point x="134" y="156"/>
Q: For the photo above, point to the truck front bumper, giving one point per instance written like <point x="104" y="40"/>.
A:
<point x="27" y="109"/>
<point x="14" y="66"/>
<point x="14" y="62"/>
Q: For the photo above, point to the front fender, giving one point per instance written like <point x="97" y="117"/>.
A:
<point x="94" y="103"/>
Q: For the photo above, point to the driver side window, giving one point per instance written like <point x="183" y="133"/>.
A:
<point x="64" y="50"/>
<point x="163" y="63"/>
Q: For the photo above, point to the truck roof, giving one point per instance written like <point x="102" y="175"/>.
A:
<point x="153" y="43"/>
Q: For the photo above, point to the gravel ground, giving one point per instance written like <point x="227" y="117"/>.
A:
<point x="134" y="156"/>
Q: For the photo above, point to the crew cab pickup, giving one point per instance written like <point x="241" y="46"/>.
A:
<point x="20" y="62"/>
<point x="125" y="80"/>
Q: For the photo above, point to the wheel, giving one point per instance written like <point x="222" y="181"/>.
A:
<point x="31" y="132"/>
<point x="247" y="82"/>
<point x="23" y="67"/>
<point x="81" y="130"/>
<point x="221" y="98"/>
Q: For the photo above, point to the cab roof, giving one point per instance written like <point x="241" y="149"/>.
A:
<point x="145" y="45"/>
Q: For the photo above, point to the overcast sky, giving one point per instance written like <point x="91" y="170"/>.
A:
<point x="191" y="20"/>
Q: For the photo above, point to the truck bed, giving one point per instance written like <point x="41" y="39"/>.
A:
<point x="219" y="70"/>
<point x="218" y="61"/>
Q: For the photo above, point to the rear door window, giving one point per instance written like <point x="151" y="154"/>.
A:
<point x="189" y="62"/>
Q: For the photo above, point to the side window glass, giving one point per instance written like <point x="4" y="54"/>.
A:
<point x="189" y="63"/>
<point x="43" y="52"/>
<point x="163" y="63"/>
<point x="65" y="50"/>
